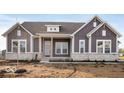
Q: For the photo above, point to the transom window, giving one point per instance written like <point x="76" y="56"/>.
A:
<point x="81" y="46"/>
<point x="18" y="46"/>
<point x="103" y="46"/>
<point x="61" y="47"/>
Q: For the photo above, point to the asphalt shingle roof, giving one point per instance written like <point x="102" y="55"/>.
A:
<point x="39" y="27"/>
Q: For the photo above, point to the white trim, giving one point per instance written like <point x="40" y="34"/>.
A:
<point x="40" y="44"/>
<point x="53" y="35"/>
<point x="94" y="30"/>
<point x="80" y="45"/>
<point x="14" y="26"/>
<point x="90" y="44"/>
<point x="52" y="25"/>
<point x="51" y="47"/>
<point x="98" y="18"/>
<point x="113" y="29"/>
<point x="61" y="47"/>
<point x="106" y="24"/>
<point x="7" y="44"/>
<point x="31" y="44"/>
<point x="26" y="30"/>
<point x="18" y="40"/>
<point x="72" y="44"/>
<point x="117" y="48"/>
<point x="103" y="46"/>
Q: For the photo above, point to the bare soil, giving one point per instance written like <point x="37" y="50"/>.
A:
<point x="64" y="70"/>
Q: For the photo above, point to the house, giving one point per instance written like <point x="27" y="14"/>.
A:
<point x="94" y="40"/>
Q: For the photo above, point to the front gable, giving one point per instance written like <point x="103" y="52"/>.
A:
<point x="16" y="26"/>
<point x="89" y="25"/>
<point x="11" y="34"/>
<point x="109" y="32"/>
<point x="81" y="34"/>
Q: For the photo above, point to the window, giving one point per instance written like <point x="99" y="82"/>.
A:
<point x="107" y="46"/>
<point x="104" y="33"/>
<point x="61" y="47"/>
<point x="104" y="46"/>
<point x="53" y="28"/>
<point x="94" y="24"/>
<point x="15" y="46"/>
<point x="18" y="32"/>
<point x="81" y="46"/>
<point x="58" y="47"/>
<point x="18" y="46"/>
<point x="100" y="47"/>
<point x="22" y="46"/>
<point x="65" y="48"/>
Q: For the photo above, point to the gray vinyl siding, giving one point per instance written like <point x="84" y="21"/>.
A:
<point x="13" y="35"/>
<point x="82" y="34"/>
<point x="98" y="35"/>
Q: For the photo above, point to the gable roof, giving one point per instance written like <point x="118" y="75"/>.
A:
<point x="95" y="17"/>
<point x="106" y="24"/>
<point x="40" y="27"/>
<point x="13" y="27"/>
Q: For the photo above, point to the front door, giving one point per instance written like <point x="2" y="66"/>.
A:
<point x="47" y="48"/>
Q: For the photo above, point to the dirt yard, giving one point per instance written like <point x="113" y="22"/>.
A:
<point x="65" y="70"/>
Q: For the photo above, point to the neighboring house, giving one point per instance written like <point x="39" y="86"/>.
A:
<point x="94" y="40"/>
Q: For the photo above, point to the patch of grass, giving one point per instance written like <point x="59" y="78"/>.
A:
<point x="121" y="58"/>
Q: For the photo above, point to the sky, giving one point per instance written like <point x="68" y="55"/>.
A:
<point x="8" y="20"/>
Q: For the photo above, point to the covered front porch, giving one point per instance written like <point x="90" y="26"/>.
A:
<point x="52" y="46"/>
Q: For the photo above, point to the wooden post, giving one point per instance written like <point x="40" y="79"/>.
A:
<point x="51" y="47"/>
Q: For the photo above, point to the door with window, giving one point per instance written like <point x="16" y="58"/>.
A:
<point x="47" y="48"/>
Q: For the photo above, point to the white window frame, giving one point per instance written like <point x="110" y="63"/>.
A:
<point x="53" y="28"/>
<point x="103" y="46"/>
<point x="18" y="40"/>
<point x="18" y="32"/>
<point x="61" y="48"/>
<point x="103" y="32"/>
<point x="80" y="45"/>
<point x="94" y="24"/>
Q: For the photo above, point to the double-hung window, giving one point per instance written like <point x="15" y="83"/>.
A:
<point x="103" y="46"/>
<point x="81" y="46"/>
<point x="19" y="46"/>
<point x="61" y="48"/>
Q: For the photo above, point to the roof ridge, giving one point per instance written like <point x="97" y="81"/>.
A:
<point x="51" y="22"/>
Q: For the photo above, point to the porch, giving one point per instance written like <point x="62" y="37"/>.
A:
<point x="50" y="47"/>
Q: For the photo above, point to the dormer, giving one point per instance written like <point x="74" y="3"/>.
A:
<point x="53" y="28"/>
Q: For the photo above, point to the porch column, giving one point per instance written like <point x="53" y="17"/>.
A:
<point x="51" y="47"/>
<point x="117" y="48"/>
<point x="90" y="44"/>
<point x="72" y="44"/>
<point x="39" y="44"/>
<point x="31" y="43"/>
